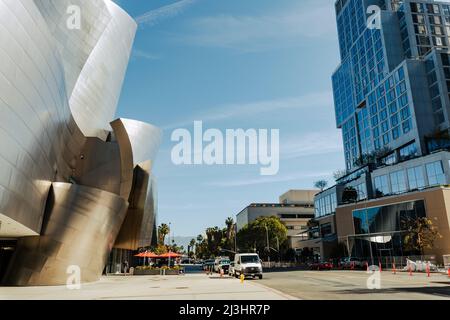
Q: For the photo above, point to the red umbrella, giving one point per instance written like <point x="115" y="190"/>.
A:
<point x="169" y="255"/>
<point x="149" y="255"/>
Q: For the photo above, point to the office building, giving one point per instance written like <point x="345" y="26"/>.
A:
<point x="391" y="95"/>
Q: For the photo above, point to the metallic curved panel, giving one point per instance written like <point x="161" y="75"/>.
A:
<point x="34" y="113"/>
<point x="144" y="138"/>
<point x="99" y="166"/>
<point x="59" y="90"/>
<point x="43" y="64"/>
<point x="95" y="58"/>
<point x="137" y="228"/>
<point x="80" y="230"/>
<point x="139" y="143"/>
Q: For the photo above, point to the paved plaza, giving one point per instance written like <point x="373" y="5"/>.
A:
<point x="186" y="287"/>
<point x="288" y="285"/>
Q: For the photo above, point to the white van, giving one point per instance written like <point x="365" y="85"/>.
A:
<point x="248" y="264"/>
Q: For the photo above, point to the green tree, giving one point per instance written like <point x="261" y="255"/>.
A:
<point x="321" y="184"/>
<point x="253" y="237"/>
<point x="420" y="234"/>
<point x="214" y="238"/>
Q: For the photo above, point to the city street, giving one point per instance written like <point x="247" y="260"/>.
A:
<point x="305" y="285"/>
<point x="352" y="285"/>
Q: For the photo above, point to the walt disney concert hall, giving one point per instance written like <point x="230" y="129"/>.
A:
<point x="76" y="185"/>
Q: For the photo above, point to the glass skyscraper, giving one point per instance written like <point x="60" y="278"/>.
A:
<point x="390" y="90"/>
<point x="391" y="96"/>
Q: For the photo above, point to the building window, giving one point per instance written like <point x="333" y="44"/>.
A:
<point x="361" y="191"/>
<point x="390" y="159"/>
<point x="381" y="186"/>
<point x="326" y="230"/>
<point x="415" y="178"/>
<point x="398" y="182"/>
<point x="408" y="151"/>
<point x="435" y="173"/>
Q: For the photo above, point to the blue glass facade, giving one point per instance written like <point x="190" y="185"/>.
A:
<point x="374" y="102"/>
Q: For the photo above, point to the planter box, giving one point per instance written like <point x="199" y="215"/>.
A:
<point x="156" y="272"/>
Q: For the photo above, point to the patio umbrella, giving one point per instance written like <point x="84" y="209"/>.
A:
<point x="141" y="255"/>
<point x="169" y="255"/>
<point x="149" y="255"/>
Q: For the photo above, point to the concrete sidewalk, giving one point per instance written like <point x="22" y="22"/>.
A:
<point x="186" y="287"/>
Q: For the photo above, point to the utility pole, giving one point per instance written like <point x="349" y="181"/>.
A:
<point x="278" y="248"/>
<point x="169" y="242"/>
<point x="235" y="237"/>
<point x="268" y="245"/>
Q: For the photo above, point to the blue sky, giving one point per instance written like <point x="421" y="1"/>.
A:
<point x="234" y="64"/>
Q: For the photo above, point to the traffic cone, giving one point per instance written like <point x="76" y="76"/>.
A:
<point x="410" y="271"/>
<point x="448" y="272"/>
<point x="367" y="266"/>
<point x="394" y="269"/>
<point x="221" y="273"/>
<point x="428" y="270"/>
<point x="379" y="266"/>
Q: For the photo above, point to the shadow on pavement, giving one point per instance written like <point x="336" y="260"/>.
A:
<point x="442" y="291"/>
<point x="271" y="270"/>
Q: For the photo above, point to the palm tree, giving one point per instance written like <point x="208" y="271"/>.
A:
<point x="230" y="232"/>
<point x="163" y="231"/>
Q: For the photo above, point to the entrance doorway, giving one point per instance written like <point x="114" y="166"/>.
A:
<point x="7" y="248"/>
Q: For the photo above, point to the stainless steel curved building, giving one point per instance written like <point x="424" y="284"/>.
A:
<point x="73" y="182"/>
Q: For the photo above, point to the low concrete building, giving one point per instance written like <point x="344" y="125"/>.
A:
<point x="295" y="210"/>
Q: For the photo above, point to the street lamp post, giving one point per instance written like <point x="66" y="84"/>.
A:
<point x="278" y="248"/>
<point x="268" y="245"/>
<point x="235" y="237"/>
<point x="169" y="242"/>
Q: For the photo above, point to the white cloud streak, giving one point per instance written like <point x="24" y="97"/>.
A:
<point x="311" y="144"/>
<point x="259" y="32"/>
<point x="272" y="179"/>
<point x="240" y="110"/>
<point x="145" y="55"/>
<point x="155" y="16"/>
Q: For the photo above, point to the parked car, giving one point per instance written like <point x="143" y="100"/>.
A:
<point x="351" y="263"/>
<point x="323" y="265"/>
<point x="231" y="269"/>
<point x="221" y="261"/>
<point x="208" y="265"/>
<point x="224" y="265"/>
<point x="248" y="264"/>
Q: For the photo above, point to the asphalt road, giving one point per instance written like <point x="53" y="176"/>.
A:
<point x="352" y="285"/>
